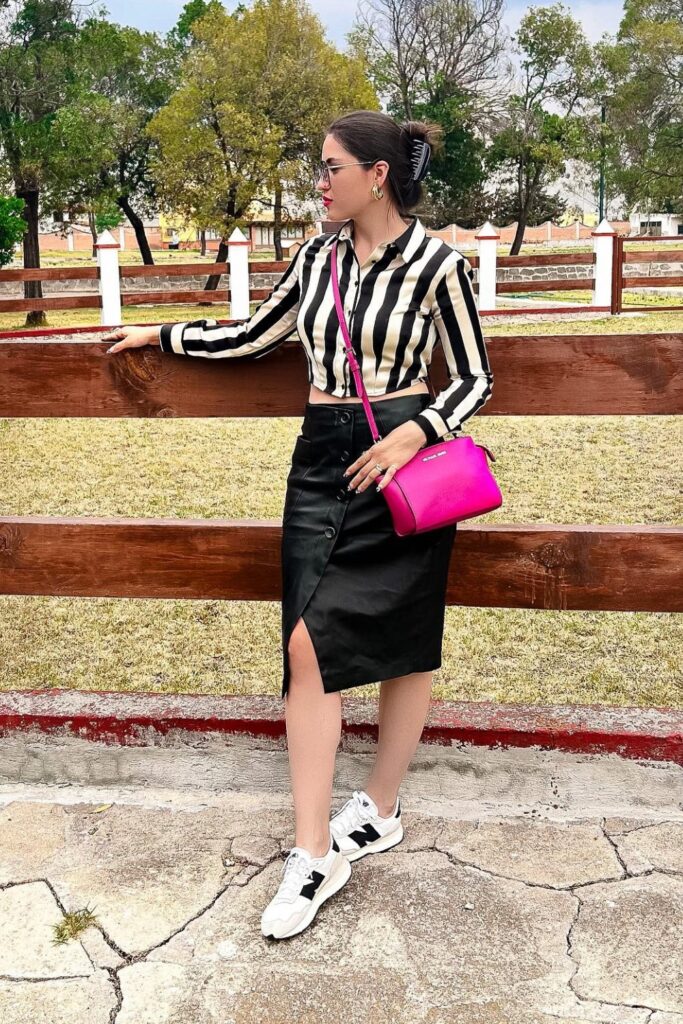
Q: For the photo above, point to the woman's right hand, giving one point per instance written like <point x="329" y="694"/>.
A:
<point x="132" y="337"/>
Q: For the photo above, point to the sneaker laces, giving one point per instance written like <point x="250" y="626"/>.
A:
<point x="354" y="812"/>
<point x="296" y="869"/>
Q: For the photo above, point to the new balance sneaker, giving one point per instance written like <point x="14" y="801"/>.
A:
<point x="306" y="883"/>
<point x="359" y="829"/>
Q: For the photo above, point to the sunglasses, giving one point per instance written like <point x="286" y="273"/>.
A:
<point x="323" y="169"/>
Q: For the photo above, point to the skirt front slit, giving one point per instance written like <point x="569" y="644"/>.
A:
<point x="373" y="602"/>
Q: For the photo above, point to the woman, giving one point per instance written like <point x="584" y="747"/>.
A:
<point x="359" y="604"/>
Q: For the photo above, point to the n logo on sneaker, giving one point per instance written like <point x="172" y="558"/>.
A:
<point x="366" y="835"/>
<point x="312" y="885"/>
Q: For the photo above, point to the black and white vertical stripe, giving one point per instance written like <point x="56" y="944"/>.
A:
<point x="410" y="293"/>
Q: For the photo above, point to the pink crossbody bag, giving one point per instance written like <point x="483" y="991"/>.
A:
<point x="443" y="483"/>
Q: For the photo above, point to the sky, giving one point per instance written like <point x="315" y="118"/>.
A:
<point x="596" y="16"/>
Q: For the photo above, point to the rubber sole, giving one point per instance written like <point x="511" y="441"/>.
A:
<point x="338" y="877"/>
<point x="379" y="845"/>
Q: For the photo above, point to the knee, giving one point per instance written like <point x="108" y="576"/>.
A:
<point x="304" y="662"/>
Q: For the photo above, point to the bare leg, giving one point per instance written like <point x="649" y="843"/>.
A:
<point x="403" y="708"/>
<point x="313" y="722"/>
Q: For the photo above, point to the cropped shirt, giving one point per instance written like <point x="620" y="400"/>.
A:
<point x="409" y="294"/>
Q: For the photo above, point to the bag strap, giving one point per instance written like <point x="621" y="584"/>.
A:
<point x="353" y="362"/>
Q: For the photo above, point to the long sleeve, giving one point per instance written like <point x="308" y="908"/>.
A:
<point x="266" y="328"/>
<point x="457" y="322"/>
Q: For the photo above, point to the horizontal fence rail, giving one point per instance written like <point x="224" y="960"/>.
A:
<point x="550" y="567"/>
<point x="571" y="375"/>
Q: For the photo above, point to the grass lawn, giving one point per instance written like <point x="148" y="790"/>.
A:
<point x="551" y="469"/>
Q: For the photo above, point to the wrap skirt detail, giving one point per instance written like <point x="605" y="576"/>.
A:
<point x="373" y="602"/>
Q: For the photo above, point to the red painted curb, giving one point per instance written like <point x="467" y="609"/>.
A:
<point x="126" y="719"/>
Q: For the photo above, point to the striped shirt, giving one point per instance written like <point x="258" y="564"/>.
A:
<point x="409" y="294"/>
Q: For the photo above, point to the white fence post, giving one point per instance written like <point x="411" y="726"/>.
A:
<point x="110" y="285"/>
<point x="238" y="259"/>
<point x="487" y="237"/>
<point x="603" y="247"/>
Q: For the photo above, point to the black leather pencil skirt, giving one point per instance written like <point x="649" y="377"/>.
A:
<point x="373" y="602"/>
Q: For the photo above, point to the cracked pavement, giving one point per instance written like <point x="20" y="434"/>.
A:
<point x="503" y="917"/>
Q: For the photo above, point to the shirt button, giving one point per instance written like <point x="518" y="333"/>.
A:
<point x="330" y="531"/>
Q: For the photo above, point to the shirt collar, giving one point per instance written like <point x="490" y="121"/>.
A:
<point x="407" y="243"/>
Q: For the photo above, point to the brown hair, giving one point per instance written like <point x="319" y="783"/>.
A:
<point x="372" y="135"/>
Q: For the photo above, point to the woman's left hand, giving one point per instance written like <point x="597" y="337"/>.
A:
<point x="392" y="452"/>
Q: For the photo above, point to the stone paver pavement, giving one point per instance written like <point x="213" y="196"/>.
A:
<point x="506" y="919"/>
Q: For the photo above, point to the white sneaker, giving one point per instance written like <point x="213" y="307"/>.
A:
<point x="307" y="882"/>
<point x="359" y="829"/>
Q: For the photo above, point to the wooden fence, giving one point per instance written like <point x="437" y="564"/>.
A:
<point x="539" y="565"/>
<point x="623" y="256"/>
<point x="606" y="280"/>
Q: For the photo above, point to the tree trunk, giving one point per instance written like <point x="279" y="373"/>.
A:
<point x="138" y="228"/>
<point x="277" y="223"/>
<point x="527" y="195"/>
<point x="93" y="232"/>
<point x="519" y="233"/>
<point x="221" y="257"/>
<point x="522" y="209"/>
<point x="202" y="237"/>
<point x="32" y="289"/>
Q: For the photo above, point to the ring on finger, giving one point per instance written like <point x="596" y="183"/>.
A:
<point x="390" y="469"/>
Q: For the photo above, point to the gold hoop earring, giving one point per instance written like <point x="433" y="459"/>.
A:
<point x="377" y="191"/>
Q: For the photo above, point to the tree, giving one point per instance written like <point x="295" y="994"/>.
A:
<point x="531" y="149"/>
<point x="132" y="75"/>
<point x="256" y="91"/>
<point x="300" y="83"/>
<point x="639" y="78"/>
<point x="37" y="43"/>
<point x="425" y="51"/>
<point x="454" y="189"/>
<point x="213" y="148"/>
<point x="441" y="60"/>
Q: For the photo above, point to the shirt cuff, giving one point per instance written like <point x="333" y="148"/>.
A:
<point x="165" y="337"/>
<point x="427" y="424"/>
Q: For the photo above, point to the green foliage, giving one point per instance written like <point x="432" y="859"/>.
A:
<point x="36" y="76"/>
<point x="12" y="227"/>
<point x="182" y="34"/>
<point x="455" y="185"/>
<point x="640" y="79"/>
<point x="114" y="67"/>
<point x="107" y="215"/>
<point x="255" y="92"/>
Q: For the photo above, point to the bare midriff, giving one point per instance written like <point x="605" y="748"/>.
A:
<point x="318" y="396"/>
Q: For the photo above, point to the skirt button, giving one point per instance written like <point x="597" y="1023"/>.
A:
<point x="330" y="531"/>
<point x="345" y="417"/>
